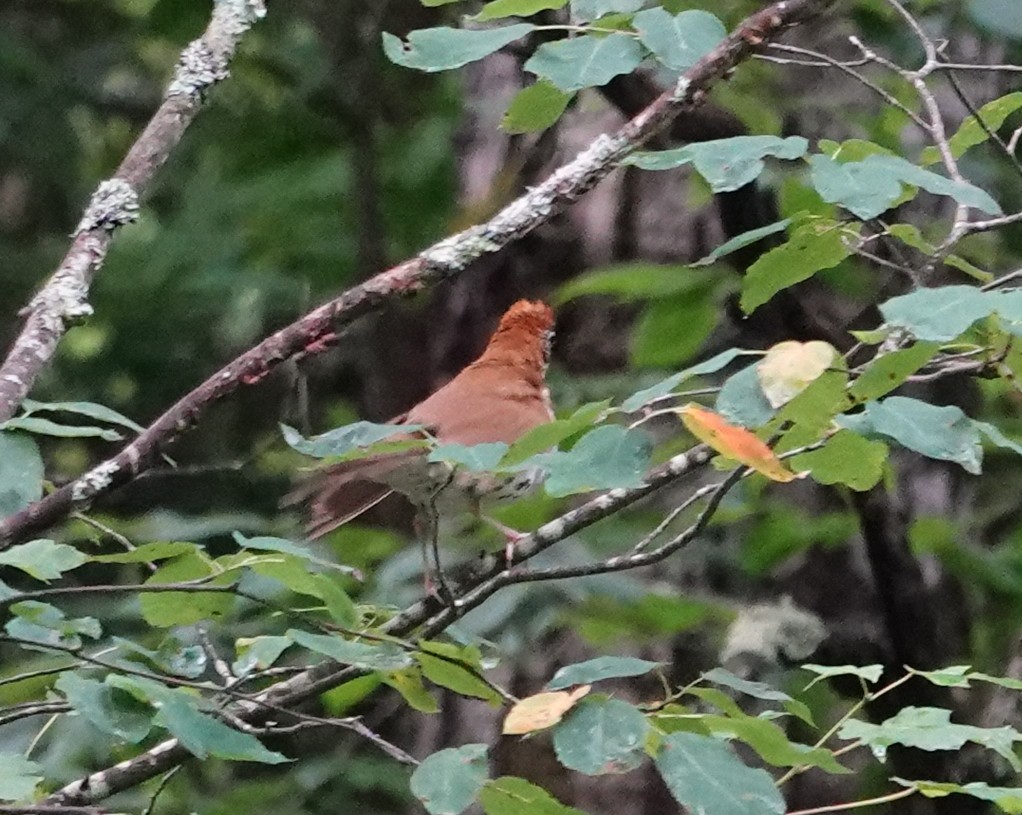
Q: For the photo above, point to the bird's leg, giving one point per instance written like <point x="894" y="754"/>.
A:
<point x="511" y="537"/>
<point x="429" y="540"/>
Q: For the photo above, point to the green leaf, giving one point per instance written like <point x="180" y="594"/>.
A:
<point x="448" y="781"/>
<point x="1007" y="799"/>
<point x="408" y="683"/>
<point x="439" y="664"/>
<point x="814" y="246"/>
<point x="508" y="795"/>
<point x="867" y="673"/>
<point x="270" y="544"/>
<point x="586" y="61"/>
<point x="938" y="315"/>
<point x="600" y="736"/>
<point x="294" y="573"/>
<point x="343" y="440"/>
<point x="170" y="608"/>
<point x="970" y="132"/>
<point x="171" y="656"/>
<point x="149" y="552"/>
<point x="89" y="409"/>
<point x="743" y="240"/>
<point x="589" y="10"/>
<point x="771" y="744"/>
<point x="679" y="40"/>
<point x="44" y="427"/>
<point x="930" y="729"/>
<point x="741" y="400"/>
<point x="846" y="459"/>
<point x="864" y="188"/>
<point x="726" y="164"/>
<point x="758" y="690"/>
<point x="385" y="656"/>
<point x="477" y="457"/>
<point x="953" y="676"/>
<point x="704" y="776"/>
<point x="535" y="108"/>
<point x="258" y="653"/>
<point x="441" y="49"/>
<point x="46" y="624"/>
<point x="812" y="412"/>
<point x="111" y="710"/>
<point x="553" y="433"/>
<point x="600" y="668"/>
<point x="995" y="435"/>
<point x="43" y="559"/>
<point x="637" y="281"/>
<point x="943" y="433"/>
<point x="673" y="329"/>
<point x="204" y="736"/>
<point x="21" y="472"/>
<point x="498" y="9"/>
<point x="18" y="777"/>
<point x="889" y="371"/>
<point x="604" y="458"/>
<point x="646" y="395"/>
<point x="962" y="192"/>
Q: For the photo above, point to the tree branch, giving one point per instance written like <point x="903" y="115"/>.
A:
<point x="317" y="330"/>
<point x="63" y="301"/>
<point x="329" y="674"/>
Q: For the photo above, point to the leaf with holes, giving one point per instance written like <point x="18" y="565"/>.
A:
<point x="441" y="49"/>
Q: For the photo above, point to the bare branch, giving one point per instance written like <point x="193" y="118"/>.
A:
<point x="63" y="300"/>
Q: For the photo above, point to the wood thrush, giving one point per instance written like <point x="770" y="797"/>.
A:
<point x="497" y="398"/>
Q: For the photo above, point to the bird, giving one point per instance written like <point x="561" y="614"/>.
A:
<point x="499" y="397"/>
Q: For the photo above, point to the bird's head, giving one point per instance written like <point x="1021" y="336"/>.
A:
<point x="525" y="330"/>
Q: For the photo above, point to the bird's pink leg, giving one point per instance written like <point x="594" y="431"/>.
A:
<point x="511" y="537"/>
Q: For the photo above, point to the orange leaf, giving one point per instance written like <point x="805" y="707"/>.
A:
<point x="541" y="710"/>
<point x="733" y="442"/>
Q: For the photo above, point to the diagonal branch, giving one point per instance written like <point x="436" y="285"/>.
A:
<point x="63" y="300"/>
<point x="318" y="330"/>
<point x="328" y="674"/>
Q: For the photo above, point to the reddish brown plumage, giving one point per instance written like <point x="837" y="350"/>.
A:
<point x="497" y="398"/>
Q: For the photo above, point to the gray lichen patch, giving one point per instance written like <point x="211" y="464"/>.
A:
<point x="197" y="70"/>
<point x="113" y="204"/>
<point x="94" y="481"/>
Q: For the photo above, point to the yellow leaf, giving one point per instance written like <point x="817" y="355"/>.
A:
<point x="541" y="710"/>
<point x="789" y="367"/>
<point x="733" y="442"/>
